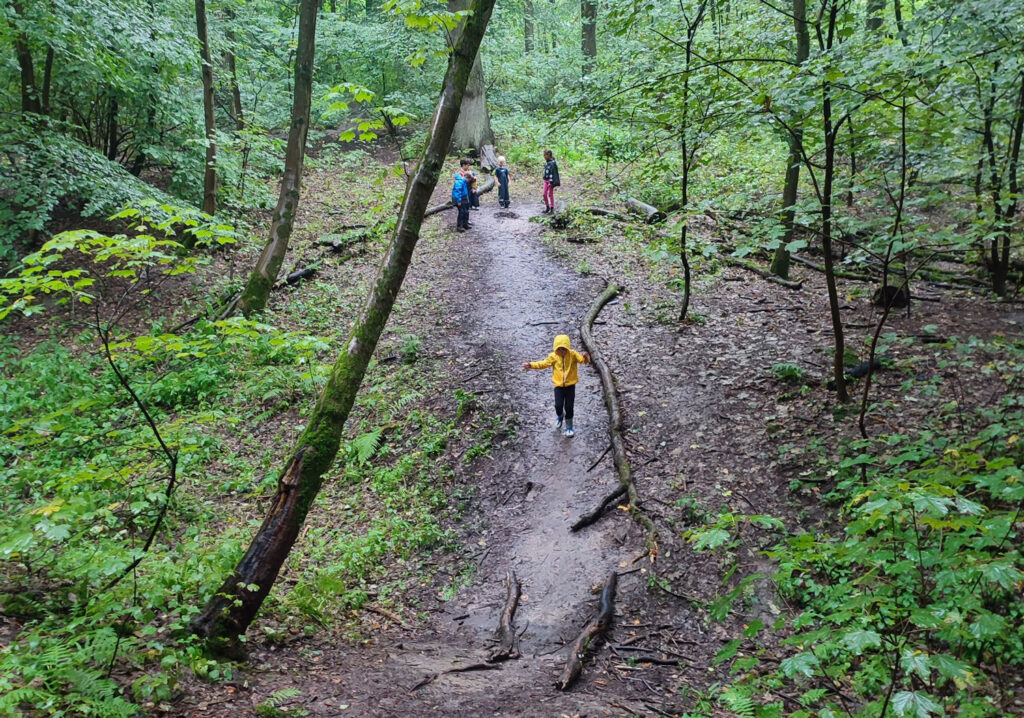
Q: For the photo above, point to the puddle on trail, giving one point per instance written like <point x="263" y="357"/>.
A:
<point x="514" y="300"/>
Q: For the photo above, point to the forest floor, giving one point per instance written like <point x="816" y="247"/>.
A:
<point x="710" y="429"/>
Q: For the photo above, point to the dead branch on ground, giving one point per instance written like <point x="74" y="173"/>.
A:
<point x="615" y="432"/>
<point x="762" y="273"/>
<point x="507" y="639"/>
<point x="594" y="630"/>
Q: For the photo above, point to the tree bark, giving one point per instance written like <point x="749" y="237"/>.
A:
<point x="47" y="81"/>
<point x="873" y="20"/>
<point x="232" y="608"/>
<point x="473" y="129"/>
<point x="588" y="17"/>
<point x="780" y="261"/>
<point x="528" y="26"/>
<point x="29" y="92"/>
<point x="209" y="121"/>
<point x="237" y="113"/>
<point x="264" y="274"/>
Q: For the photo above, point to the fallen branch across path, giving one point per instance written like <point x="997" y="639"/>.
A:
<point x="763" y="273"/>
<point x="507" y="639"/>
<point x="437" y="209"/>
<point x="594" y="630"/>
<point x="463" y="669"/>
<point x="611" y="402"/>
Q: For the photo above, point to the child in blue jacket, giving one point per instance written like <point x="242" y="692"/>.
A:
<point x="460" y="197"/>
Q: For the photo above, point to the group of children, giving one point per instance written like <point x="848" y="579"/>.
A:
<point x="466" y="198"/>
<point x="562" y="360"/>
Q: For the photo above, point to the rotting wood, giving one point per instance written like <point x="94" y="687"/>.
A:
<point x="651" y="215"/>
<point x="763" y="273"/>
<point x="615" y="431"/>
<point x="508" y="645"/>
<point x="488" y="158"/>
<point x="437" y="209"/>
<point x="593" y="631"/>
<point x="299" y="274"/>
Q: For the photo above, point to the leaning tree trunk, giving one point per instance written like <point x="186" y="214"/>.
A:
<point x="209" y="121"/>
<point x="780" y="262"/>
<point x="473" y="130"/>
<point x="264" y="274"/>
<point x="233" y="607"/>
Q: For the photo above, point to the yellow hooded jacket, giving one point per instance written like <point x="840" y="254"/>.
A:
<point x="563" y="372"/>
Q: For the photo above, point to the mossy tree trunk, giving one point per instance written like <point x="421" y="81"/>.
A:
<point x="209" y="119"/>
<point x="780" y="261"/>
<point x="233" y="607"/>
<point x="473" y="129"/>
<point x="588" y="16"/>
<point x="264" y="274"/>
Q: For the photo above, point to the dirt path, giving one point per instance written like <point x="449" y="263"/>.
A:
<point x="506" y="304"/>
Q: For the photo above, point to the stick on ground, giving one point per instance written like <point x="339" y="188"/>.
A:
<point x="594" y="630"/>
<point x="615" y="432"/>
<point x="507" y="639"/>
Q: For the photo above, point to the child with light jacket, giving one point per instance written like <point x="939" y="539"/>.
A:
<point x="563" y="362"/>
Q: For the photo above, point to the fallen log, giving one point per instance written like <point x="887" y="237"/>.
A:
<point x="437" y="209"/>
<point x="300" y="274"/>
<point x="651" y="215"/>
<point x="602" y="212"/>
<point x="594" y="630"/>
<point x="615" y="431"/>
<point x="507" y="638"/>
<point x="855" y="276"/>
<point x="763" y="273"/>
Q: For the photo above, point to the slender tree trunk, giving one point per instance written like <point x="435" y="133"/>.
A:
<point x="780" y="261"/>
<point x="588" y="17"/>
<point x="233" y="607"/>
<point x="689" y="154"/>
<point x="237" y="114"/>
<point x="897" y="10"/>
<point x="528" y="26"/>
<point x="47" y="81"/>
<point x="111" y="139"/>
<point x="210" y="173"/>
<point x="29" y="92"/>
<point x="264" y="274"/>
<point x="474" y="126"/>
<point x="1001" y="270"/>
<point x="831" y="131"/>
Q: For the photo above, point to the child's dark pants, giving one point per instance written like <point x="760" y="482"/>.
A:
<point x="565" y="397"/>
<point x="503" y="194"/>
<point x="463" y="219"/>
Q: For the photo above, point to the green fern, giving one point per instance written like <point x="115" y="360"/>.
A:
<point x="738" y="701"/>
<point x="363" y="447"/>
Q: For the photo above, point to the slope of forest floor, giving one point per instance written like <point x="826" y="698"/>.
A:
<point x="712" y="430"/>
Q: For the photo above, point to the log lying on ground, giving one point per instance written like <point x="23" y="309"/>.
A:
<point x="507" y="643"/>
<point x="594" y="630"/>
<point x="611" y="401"/>
<point x="855" y="276"/>
<point x="437" y="209"/>
<point x="299" y="274"/>
<point x="602" y="212"/>
<point x="763" y="273"/>
<point x="651" y="215"/>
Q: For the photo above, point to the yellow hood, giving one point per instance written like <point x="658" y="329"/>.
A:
<point x="562" y="340"/>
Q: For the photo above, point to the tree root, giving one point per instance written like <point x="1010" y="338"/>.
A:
<point x="763" y="273"/>
<point x="507" y="638"/>
<point x="595" y="629"/>
<point x="587" y="519"/>
<point x="463" y="669"/>
<point x="611" y="402"/>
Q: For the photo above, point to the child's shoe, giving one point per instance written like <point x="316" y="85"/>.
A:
<point x="558" y="424"/>
<point x="568" y="428"/>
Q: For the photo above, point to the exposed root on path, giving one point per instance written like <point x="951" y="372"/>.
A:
<point x="762" y="273"/>
<point x="595" y="629"/>
<point x="462" y="669"/>
<point x="611" y="402"/>
<point x="507" y="639"/>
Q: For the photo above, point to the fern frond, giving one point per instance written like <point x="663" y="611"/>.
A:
<point x="364" y="446"/>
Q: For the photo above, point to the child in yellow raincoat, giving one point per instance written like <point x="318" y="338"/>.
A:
<point x="563" y="362"/>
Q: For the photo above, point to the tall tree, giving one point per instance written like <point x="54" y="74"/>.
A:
<point x="588" y="17"/>
<point x="232" y="608"/>
<point x="264" y="274"/>
<point x="209" y="119"/>
<point x="474" y="126"/>
<point x="780" y="261"/>
<point x="528" y="26"/>
<point x="29" y="92"/>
